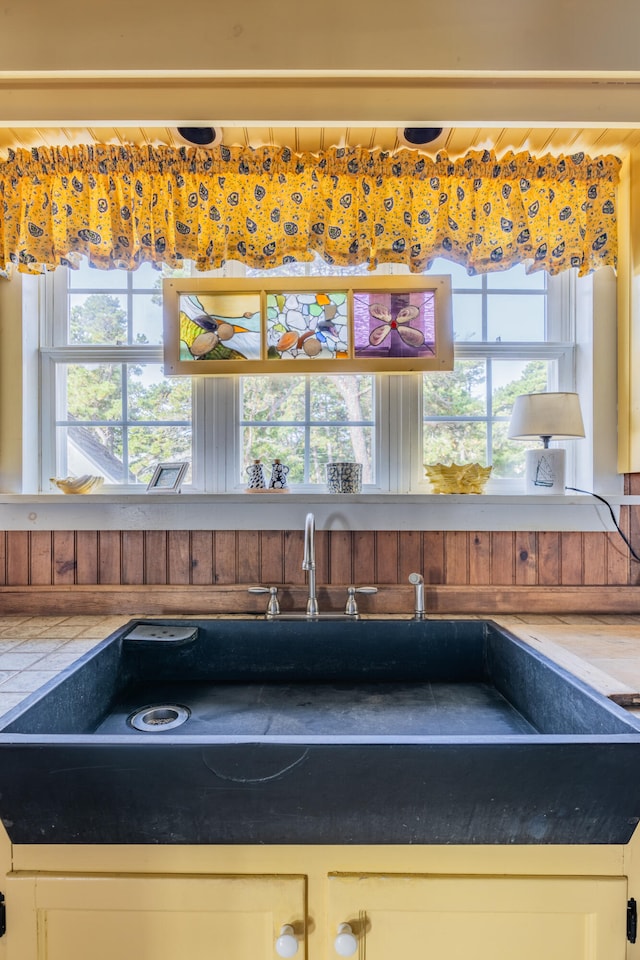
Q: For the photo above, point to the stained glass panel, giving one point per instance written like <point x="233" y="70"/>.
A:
<point x="220" y="326"/>
<point x="307" y="324"/>
<point x="395" y="324"/>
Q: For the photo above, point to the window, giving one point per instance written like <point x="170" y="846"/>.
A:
<point x="514" y="334"/>
<point x="108" y="409"/>
<point x="308" y="421"/>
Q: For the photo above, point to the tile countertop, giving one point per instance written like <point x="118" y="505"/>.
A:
<point x="604" y="650"/>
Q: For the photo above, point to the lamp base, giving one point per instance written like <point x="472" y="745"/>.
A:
<point x="544" y="471"/>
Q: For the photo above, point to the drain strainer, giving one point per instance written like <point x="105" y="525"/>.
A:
<point x="165" y="716"/>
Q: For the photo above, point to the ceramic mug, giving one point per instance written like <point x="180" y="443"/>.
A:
<point x="344" y="477"/>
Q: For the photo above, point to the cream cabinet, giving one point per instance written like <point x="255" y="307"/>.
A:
<point x="151" y="917"/>
<point x="316" y="916"/>
<point x="457" y="918"/>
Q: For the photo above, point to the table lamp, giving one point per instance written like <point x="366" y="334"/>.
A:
<point x="546" y="416"/>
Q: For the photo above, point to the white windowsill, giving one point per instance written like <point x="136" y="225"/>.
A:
<point x="242" y="511"/>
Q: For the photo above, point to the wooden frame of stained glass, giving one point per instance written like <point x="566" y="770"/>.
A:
<point x="311" y="325"/>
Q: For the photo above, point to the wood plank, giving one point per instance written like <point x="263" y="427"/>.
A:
<point x="364" y="557"/>
<point x="479" y="557"/>
<point x="634" y="539"/>
<point x="293" y="551"/>
<point x="155" y="556"/>
<point x="502" y="563"/>
<point x="3" y="558"/>
<point x="202" y="556"/>
<point x="386" y="556"/>
<point x="548" y="558"/>
<point x="109" y="556"/>
<point x="409" y="554"/>
<point x="132" y="556"/>
<point x="618" y="556"/>
<point x="340" y="557"/>
<point x="433" y="556"/>
<point x="64" y="556"/>
<point x="594" y="558"/>
<point x="323" y="547"/>
<point x="476" y="600"/>
<point x="248" y="552"/>
<point x="456" y="557"/>
<point x="41" y="557"/>
<point x="17" y="557"/>
<point x="271" y="557"/>
<point x="526" y="557"/>
<point x="224" y="570"/>
<point x="86" y="556"/>
<point x="570" y="558"/>
<point x="178" y="556"/>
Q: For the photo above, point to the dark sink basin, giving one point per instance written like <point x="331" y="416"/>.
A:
<point x="372" y="731"/>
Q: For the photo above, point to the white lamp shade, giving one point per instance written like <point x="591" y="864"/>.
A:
<point x="554" y="415"/>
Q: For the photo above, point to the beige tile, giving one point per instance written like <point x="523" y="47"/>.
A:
<point x="84" y="621"/>
<point x="45" y="622"/>
<point x="58" y="660"/>
<point x="102" y="630"/>
<point x="26" y="680"/>
<point x="79" y="646"/>
<point x="7" y="645"/>
<point x="22" y="632"/>
<point x="9" y="700"/>
<point x="19" y="661"/>
<point x="540" y="618"/>
<point x="626" y="670"/>
<point x="63" y="631"/>
<point x="578" y="618"/>
<point x="39" y="645"/>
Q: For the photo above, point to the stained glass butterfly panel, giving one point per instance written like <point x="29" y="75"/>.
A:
<point x="394" y="324"/>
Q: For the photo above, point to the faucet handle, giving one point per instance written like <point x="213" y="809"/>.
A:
<point x="273" y="607"/>
<point x="351" y="608"/>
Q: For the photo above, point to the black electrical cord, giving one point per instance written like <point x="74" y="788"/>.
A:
<point x="615" y="522"/>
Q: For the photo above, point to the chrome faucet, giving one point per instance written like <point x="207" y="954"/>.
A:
<point x="417" y="581"/>
<point x="309" y="563"/>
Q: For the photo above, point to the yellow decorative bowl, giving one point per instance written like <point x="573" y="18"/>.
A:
<point x="457" y="478"/>
<point x="84" y="484"/>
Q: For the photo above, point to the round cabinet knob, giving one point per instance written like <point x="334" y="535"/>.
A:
<point x="345" y="943"/>
<point x="286" y="944"/>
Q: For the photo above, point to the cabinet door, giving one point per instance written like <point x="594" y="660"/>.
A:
<point x="455" y="918"/>
<point x="149" y="917"/>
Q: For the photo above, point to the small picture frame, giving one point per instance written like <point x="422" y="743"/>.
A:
<point x="168" y="477"/>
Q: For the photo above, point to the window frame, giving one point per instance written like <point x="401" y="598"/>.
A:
<point x="215" y="422"/>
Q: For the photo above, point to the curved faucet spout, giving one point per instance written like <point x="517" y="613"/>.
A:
<point x="309" y="563"/>
<point x="309" y="558"/>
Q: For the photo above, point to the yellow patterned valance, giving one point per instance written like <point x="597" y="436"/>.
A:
<point x="121" y="206"/>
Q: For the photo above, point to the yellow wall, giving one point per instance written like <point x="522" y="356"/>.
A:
<point x="565" y="64"/>
<point x="335" y="34"/>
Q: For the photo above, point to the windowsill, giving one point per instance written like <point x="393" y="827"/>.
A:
<point x="273" y="511"/>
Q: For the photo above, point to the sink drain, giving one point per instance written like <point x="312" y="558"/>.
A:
<point x="166" y="716"/>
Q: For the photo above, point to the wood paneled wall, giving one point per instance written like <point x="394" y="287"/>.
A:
<point x="170" y="571"/>
<point x="195" y="557"/>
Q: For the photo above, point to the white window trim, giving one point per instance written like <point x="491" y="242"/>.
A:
<point x="403" y="506"/>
